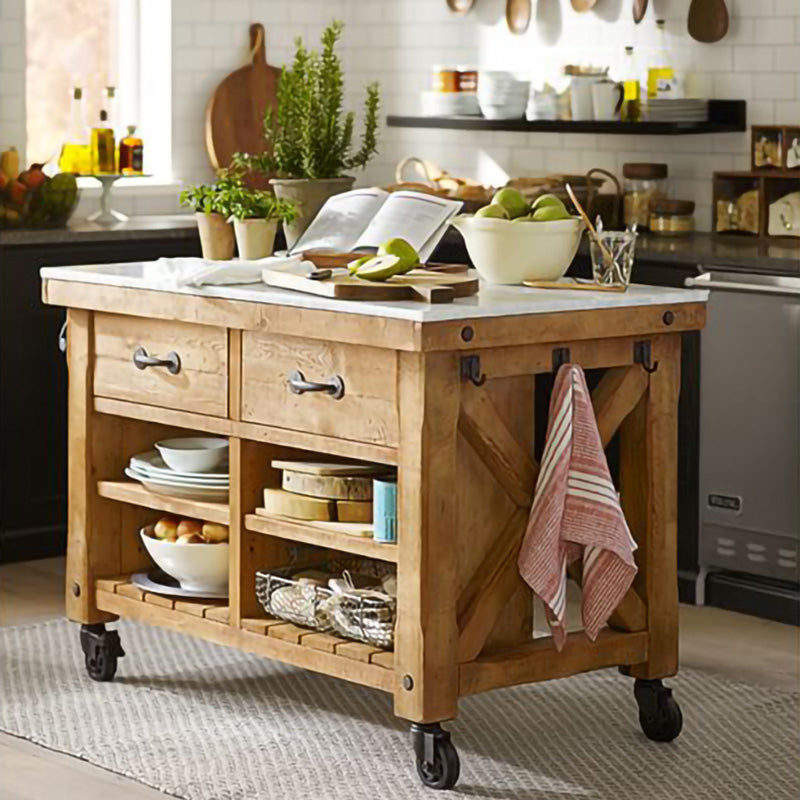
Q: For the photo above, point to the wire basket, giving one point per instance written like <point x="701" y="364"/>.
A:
<point x="365" y="615"/>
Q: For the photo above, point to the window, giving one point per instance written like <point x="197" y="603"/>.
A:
<point x="94" y="44"/>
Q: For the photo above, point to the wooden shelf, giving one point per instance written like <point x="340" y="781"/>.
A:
<point x="137" y="495"/>
<point x="725" y="116"/>
<point x="214" y="622"/>
<point x="315" y="533"/>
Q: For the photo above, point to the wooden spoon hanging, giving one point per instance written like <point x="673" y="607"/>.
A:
<point x="235" y="113"/>
<point x="583" y="5"/>
<point x="708" y="20"/>
<point x="518" y="15"/>
<point x="639" y="10"/>
<point x="460" y="6"/>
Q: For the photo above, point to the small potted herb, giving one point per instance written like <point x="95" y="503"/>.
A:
<point x="210" y="203"/>
<point x="310" y="136"/>
<point x="256" y="214"/>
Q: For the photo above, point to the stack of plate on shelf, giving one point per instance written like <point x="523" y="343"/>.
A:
<point x="151" y="470"/>
<point x="677" y="110"/>
<point x="502" y="96"/>
<point x="449" y="104"/>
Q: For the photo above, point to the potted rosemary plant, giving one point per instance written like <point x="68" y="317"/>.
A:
<point x="309" y="134"/>
<point x="210" y="203"/>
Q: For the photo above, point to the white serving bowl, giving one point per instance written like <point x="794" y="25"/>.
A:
<point x="193" y="453"/>
<point x="197" y="567"/>
<point x="512" y="252"/>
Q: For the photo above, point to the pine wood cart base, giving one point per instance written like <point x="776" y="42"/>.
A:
<point x="445" y="395"/>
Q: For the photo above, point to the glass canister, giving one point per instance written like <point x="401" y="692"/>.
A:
<point x="672" y="217"/>
<point x="644" y="185"/>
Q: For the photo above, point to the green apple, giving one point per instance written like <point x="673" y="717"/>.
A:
<point x="526" y="218"/>
<point x="550" y="214"/>
<point x="380" y="268"/>
<point x="492" y="211"/>
<point x="512" y="201"/>
<point x="407" y="255"/>
<point x="548" y="200"/>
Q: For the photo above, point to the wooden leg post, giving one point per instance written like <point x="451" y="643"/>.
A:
<point x="648" y="476"/>
<point x="427" y="632"/>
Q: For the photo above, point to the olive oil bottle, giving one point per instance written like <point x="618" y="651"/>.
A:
<point x="103" y="147"/>
<point x="75" y="153"/>
<point x="131" y="153"/>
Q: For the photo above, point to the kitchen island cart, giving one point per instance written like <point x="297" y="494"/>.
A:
<point x="442" y="393"/>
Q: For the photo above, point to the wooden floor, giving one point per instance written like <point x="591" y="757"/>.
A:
<point x="718" y="641"/>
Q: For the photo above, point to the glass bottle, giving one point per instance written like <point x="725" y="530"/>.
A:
<point x="632" y="97"/>
<point x="75" y="153"/>
<point x="103" y="150"/>
<point x="131" y="153"/>
<point x="661" y="73"/>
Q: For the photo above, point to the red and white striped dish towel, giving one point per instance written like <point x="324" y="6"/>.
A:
<point x="576" y="514"/>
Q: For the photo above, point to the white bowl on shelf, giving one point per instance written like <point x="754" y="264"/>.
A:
<point x="193" y="453"/>
<point x="507" y="252"/>
<point x="197" y="567"/>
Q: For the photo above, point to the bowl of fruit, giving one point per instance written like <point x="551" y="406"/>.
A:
<point x="511" y="240"/>
<point x="31" y="199"/>
<point x="194" y="553"/>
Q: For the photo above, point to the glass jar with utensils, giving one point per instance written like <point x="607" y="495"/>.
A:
<point x="612" y="255"/>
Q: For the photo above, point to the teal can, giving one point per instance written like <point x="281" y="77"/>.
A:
<point x="384" y="510"/>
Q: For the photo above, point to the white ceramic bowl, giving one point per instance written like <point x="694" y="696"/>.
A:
<point x="193" y="453"/>
<point x="197" y="567"/>
<point x="512" y="252"/>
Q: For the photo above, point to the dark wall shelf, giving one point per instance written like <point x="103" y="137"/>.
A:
<point x="725" y="116"/>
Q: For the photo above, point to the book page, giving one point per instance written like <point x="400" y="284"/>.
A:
<point x="420" y="219"/>
<point x="341" y="221"/>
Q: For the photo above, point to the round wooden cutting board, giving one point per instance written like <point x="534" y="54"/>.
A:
<point x="235" y="112"/>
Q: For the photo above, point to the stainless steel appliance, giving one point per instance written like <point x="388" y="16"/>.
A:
<point x="750" y="429"/>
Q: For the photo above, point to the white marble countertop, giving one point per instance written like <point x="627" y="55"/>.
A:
<point x="491" y="301"/>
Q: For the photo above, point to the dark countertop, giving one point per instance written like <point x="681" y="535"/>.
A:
<point x="176" y="226"/>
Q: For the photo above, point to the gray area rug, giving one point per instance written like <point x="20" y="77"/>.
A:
<point x="207" y="723"/>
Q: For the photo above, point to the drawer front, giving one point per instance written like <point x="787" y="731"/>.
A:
<point x="200" y="383"/>
<point x="366" y="410"/>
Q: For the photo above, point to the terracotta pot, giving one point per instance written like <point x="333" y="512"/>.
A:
<point x="216" y="236"/>
<point x="310" y="196"/>
<point x="255" y="238"/>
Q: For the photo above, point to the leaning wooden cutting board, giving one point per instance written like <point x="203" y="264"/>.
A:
<point x="235" y="112"/>
<point x="419" y="284"/>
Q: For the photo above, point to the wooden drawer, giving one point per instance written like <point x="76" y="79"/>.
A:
<point x="200" y="385"/>
<point x="366" y="411"/>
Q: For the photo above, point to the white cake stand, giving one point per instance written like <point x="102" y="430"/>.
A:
<point x="106" y="215"/>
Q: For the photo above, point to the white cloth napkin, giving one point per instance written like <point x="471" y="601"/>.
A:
<point x="175" y="273"/>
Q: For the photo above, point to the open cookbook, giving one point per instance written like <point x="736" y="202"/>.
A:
<point x="363" y="219"/>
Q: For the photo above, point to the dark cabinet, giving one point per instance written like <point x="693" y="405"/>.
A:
<point x="33" y="381"/>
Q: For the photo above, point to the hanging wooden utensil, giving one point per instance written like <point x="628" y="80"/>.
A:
<point x="460" y="6"/>
<point x="235" y="112"/>
<point x="518" y="15"/>
<point x="708" y="20"/>
<point x="583" y="5"/>
<point x="639" y="10"/>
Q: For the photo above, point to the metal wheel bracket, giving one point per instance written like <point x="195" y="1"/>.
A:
<point x="95" y="639"/>
<point x="426" y="736"/>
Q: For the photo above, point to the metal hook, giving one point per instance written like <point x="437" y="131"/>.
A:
<point x="642" y="355"/>
<point x="471" y="370"/>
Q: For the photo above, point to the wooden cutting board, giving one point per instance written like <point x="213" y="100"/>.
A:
<point x="298" y="506"/>
<point x="235" y="112"/>
<point x="708" y="20"/>
<point x="330" y="487"/>
<point x="343" y="468"/>
<point x="429" y="287"/>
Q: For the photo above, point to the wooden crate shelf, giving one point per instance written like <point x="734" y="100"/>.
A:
<point x="315" y="533"/>
<point x="215" y="622"/>
<point x="137" y="495"/>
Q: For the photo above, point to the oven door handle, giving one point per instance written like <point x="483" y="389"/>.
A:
<point x="706" y="281"/>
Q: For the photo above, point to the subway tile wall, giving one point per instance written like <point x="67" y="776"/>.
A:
<point x="397" y="42"/>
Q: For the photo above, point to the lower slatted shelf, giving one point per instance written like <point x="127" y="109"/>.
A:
<point x="320" y="652"/>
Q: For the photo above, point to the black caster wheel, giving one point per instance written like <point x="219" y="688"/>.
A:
<point x="437" y="758"/>
<point x="659" y="713"/>
<point x="101" y="649"/>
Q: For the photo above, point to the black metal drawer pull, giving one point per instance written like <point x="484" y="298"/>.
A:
<point x="143" y="360"/>
<point x="334" y="386"/>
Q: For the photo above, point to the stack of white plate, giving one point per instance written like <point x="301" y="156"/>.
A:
<point x="150" y="470"/>
<point x="677" y="110"/>
<point x="449" y="104"/>
<point x="501" y="95"/>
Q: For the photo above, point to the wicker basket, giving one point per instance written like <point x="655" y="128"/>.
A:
<point x="363" y="615"/>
